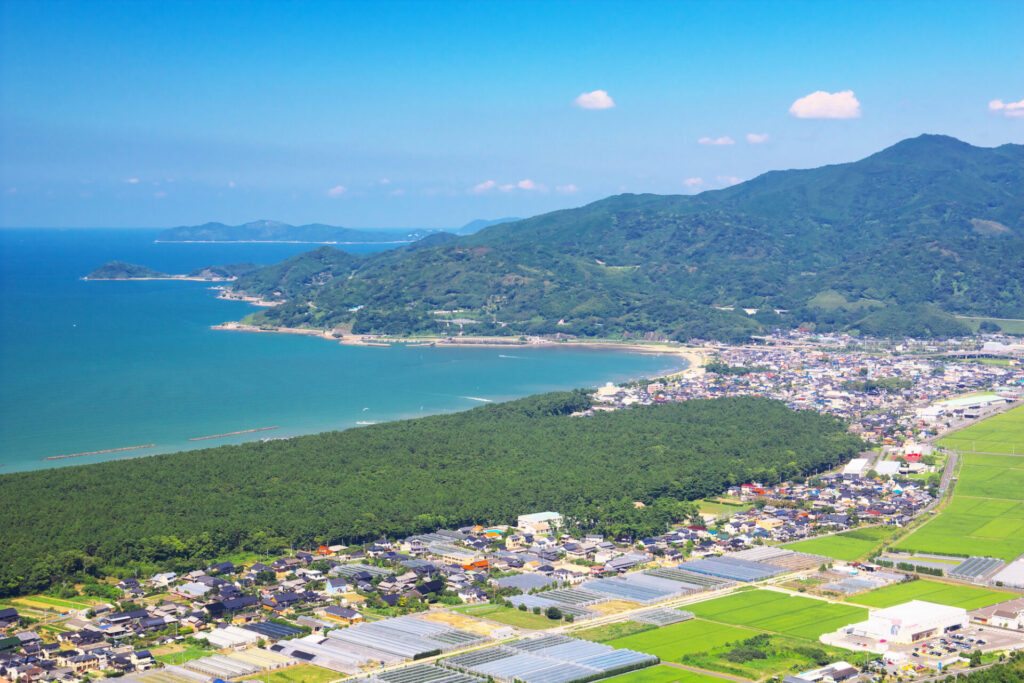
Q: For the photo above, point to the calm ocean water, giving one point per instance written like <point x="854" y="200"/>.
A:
<point x="88" y="366"/>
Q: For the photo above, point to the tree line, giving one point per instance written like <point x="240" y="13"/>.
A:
<point x="487" y="465"/>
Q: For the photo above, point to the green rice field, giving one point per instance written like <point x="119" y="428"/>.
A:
<point x="986" y="515"/>
<point x="849" y="546"/>
<point x="779" y="613"/>
<point x="1003" y="433"/>
<point x="688" y="637"/>
<point x="968" y="597"/>
<point x="663" y="674"/>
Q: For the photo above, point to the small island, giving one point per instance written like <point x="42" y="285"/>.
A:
<point x="119" y="270"/>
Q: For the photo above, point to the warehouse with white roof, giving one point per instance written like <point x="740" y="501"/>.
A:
<point x="910" y="622"/>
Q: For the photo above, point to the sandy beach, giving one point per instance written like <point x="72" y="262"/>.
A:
<point x="696" y="357"/>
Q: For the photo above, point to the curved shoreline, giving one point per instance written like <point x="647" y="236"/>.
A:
<point x="695" y="356"/>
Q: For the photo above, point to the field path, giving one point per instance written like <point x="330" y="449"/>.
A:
<point x="706" y="672"/>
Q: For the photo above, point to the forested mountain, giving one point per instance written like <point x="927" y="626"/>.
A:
<point x="276" y="231"/>
<point x="891" y="244"/>
<point x="486" y="465"/>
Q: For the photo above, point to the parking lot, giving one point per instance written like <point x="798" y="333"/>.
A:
<point x="939" y="652"/>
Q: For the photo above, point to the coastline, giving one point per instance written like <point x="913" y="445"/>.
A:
<point x="187" y="278"/>
<point x="271" y="242"/>
<point x="696" y="357"/>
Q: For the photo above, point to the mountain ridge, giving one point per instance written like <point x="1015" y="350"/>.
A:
<point x="925" y="228"/>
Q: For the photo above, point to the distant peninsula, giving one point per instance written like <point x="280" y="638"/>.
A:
<point x="276" y="231"/>
<point x="119" y="270"/>
<point x="314" y="233"/>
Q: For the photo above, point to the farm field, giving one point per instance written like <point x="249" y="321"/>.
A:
<point x="1003" y="433"/>
<point x="968" y="597"/>
<point x="688" y="637"/>
<point x="176" y="654"/>
<point x="986" y="515"/>
<point x="304" y="673"/>
<point x="849" y="546"/>
<point x="508" y="616"/>
<point x="782" y="654"/>
<point x="45" y="601"/>
<point x="663" y="674"/>
<point x="780" y="613"/>
<point x="602" y="634"/>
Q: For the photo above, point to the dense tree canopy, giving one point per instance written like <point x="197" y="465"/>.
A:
<point x="486" y="465"/>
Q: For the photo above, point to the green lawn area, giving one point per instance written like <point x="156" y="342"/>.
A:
<point x="62" y="603"/>
<point x="1009" y="326"/>
<point x="688" y="637"/>
<point x="780" y="613"/>
<point x="663" y="674"/>
<point x="180" y="656"/>
<point x="986" y="515"/>
<point x="849" y="546"/>
<point x="601" y="634"/>
<point x="509" y="615"/>
<point x="1003" y="433"/>
<point x="304" y="673"/>
<point x="968" y="597"/>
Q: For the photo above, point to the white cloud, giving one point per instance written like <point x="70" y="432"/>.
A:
<point x="507" y="188"/>
<point x="824" y="105"/>
<point x="566" y="189"/>
<point x="1014" y="110"/>
<point x="397" y="193"/>
<point x="526" y="184"/>
<point x="385" y="181"/>
<point x="231" y="183"/>
<point x="11" y="190"/>
<point x="693" y="183"/>
<point x="337" y="191"/>
<point x="160" y="195"/>
<point x="485" y="186"/>
<point x="757" y="138"/>
<point x="597" y="99"/>
<point x="724" y="140"/>
<point x="728" y="180"/>
<point x="132" y="181"/>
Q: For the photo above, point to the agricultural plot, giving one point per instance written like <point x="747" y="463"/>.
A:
<point x="1003" y="433"/>
<point x="663" y="674"/>
<point x="608" y="632"/>
<point x="986" y="515"/>
<point x="178" y="655"/>
<point x="304" y="673"/>
<point x="670" y="643"/>
<point x="849" y="546"/>
<point x="968" y="597"/>
<point x="779" y="613"/>
<point x="509" y="616"/>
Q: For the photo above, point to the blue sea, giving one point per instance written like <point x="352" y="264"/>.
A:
<point x="90" y="366"/>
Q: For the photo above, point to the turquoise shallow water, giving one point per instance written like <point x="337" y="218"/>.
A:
<point x="88" y="366"/>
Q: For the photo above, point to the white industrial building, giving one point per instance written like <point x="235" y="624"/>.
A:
<point x="910" y="622"/>
<point x="856" y="467"/>
<point x="539" y="522"/>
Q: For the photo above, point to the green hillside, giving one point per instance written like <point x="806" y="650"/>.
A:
<point x="891" y="244"/>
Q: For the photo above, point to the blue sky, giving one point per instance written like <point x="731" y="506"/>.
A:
<point x="432" y="114"/>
